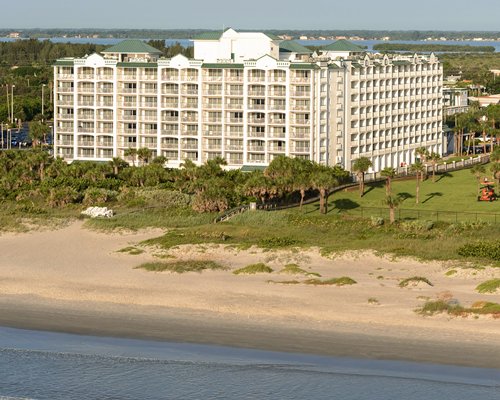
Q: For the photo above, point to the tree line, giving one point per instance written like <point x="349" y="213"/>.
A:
<point x="34" y="176"/>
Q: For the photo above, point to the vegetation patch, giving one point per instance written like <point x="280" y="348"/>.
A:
<point x="373" y="300"/>
<point x="277" y="242"/>
<point x="443" y="306"/>
<point x="182" y="266"/>
<point x="294" y="269"/>
<point x="342" y="281"/>
<point x="487" y="250"/>
<point x="292" y="282"/>
<point x="414" y="280"/>
<point x="490" y="286"/>
<point x="259" y="268"/>
<point x="134" y="251"/>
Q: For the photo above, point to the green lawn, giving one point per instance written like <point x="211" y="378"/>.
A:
<point x="455" y="192"/>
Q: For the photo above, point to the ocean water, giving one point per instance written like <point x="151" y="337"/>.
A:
<point x="187" y="42"/>
<point x="45" y="365"/>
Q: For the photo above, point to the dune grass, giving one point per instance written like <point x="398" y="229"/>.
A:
<point x="414" y="280"/>
<point x="134" y="251"/>
<point x="342" y="281"/>
<point x="441" y="306"/>
<point x="490" y="286"/>
<point x="294" y="269"/>
<point x="259" y="268"/>
<point x="181" y="266"/>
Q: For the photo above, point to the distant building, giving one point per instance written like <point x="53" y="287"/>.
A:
<point x="14" y="35"/>
<point x="248" y="97"/>
<point x="485" y="101"/>
<point x="455" y="100"/>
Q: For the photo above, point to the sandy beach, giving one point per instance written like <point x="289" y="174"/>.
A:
<point x="76" y="280"/>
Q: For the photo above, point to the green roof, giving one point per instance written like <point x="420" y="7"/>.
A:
<point x="303" y="66"/>
<point x="213" y="35"/>
<point x="137" y="65"/>
<point x="132" y="46"/>
<point x="272" y="36"/>
<point x="223" y="65"/>
<point x="64" y="62"/>
<point x="294" y="47"/>
<point x="401" y="62"/>
<point x="343" y="45"/>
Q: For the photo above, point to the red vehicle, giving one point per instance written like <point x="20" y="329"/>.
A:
<point x="486" y="192"/>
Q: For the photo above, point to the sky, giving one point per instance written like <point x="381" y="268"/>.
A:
<point x="447" y="15"/>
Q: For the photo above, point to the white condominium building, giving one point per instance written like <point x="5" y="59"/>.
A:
<point x="248" y="97"/>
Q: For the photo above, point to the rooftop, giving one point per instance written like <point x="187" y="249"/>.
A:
<point x="132" y="46"/>
<point x="294" y="47"/>
<point x="343" y="45"/>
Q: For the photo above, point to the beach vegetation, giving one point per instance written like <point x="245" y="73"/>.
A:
<point x="132" y="250"/>
<point x="342" y="281"/>
<point x="414" y="280"/>
<point x="373" y="300"/>
<point x="294" y="269"/>
<point x="451" y="272"/>
<point x="454" y="308"/>
<point x="259" y="268"/>
<point x="491" y="286"/>
<point x="182" y="266"/>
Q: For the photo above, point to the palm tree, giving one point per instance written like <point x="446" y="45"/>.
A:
<point x="389" y="173"/>
<point x="418" y="168"/>
<point x="38" y="132"/>
<point x="361" y="166"/>
<point x="478" y="171"/>
<point x="434" y="159"/>
<point x="322" y="179"/>
<point x="423" y="154"/>
<point x="144" y="155"/>
<point x="132" y="153"/>
<point x="392" y="202"/>
<point x="117" y="163"/>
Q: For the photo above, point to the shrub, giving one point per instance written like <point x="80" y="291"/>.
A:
<point x="490" y="286"/>
<point x="97" y="196"/>
<point x="276" y="242"/>
<point x="294" y="269"/>
<point x="377" y="221"/>
<point x="414" y="280"/>
<point x="254" y="269"/>
<point x="342" y="281"/>
<point x="182" y="266"/>
<point x="416" y="226"/>
<point x="487" y="250"/>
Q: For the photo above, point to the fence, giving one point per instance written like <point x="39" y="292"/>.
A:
<point x="426" y="215"/>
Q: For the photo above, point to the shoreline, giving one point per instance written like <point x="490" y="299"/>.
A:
<point x="185" y="326"/>
<point x="75" y="280"/>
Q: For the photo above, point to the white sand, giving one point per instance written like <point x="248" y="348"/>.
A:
<point x="74" y="264"/>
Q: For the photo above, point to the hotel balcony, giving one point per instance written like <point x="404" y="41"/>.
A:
<point x="252" y="147"/>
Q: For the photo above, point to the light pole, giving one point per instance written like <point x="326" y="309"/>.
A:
<point x="12" y="103"/>
<point x="43" y="85"/>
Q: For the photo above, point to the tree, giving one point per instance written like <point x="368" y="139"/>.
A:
<point x="389" y="173"/>
<point x="323" y="180"/>
<point x="38" y="132"/>
<point x="423" y="154"/>
<point x="418" y="168"/>
<point x="478" y="171"/>
<point x="117" y="164"/>
<point x="132" y="153"/>
<point x="361" y="166"/>
<point x="302" y="177"/>
<point x="144" y="155"/>
<point x="434" y="159"/>
<point x="392" y="202"/>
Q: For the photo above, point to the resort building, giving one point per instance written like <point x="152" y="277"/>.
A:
<point x="248" y="97"/>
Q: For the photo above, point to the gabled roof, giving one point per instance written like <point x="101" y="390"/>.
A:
<point x="213" y="35"/>
<point x="132" y="46"/>
<point x="272" y="36"/>
<point x="294" y="47"/>
<point x="343" y="45"/>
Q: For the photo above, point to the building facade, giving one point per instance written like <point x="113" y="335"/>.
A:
<point x="247" y="97"/>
